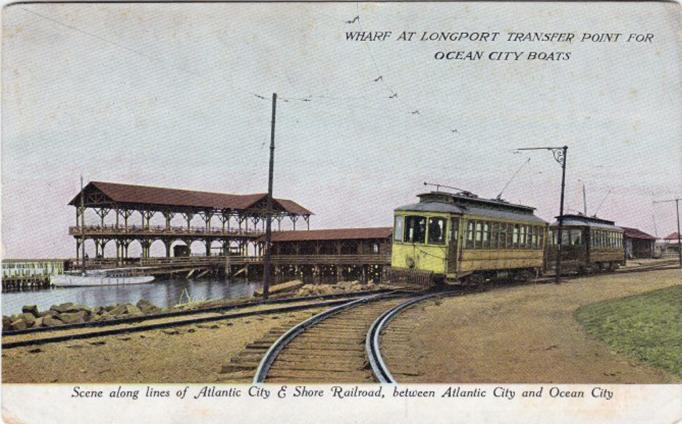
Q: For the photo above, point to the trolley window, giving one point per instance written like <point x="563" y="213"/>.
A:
<point x="436" y="230"/>
<point x="576" y="237"/>
<point x="415" y="229"/>
<point x="486" y="236"/>
<point x="470" y="235"/>
<point x="503" y="236"/>
<point x="398" y="228"/>
<point x="494" y="231"/>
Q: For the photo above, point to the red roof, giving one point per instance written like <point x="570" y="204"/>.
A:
<point x="160" y="196"/>
<point x="634" y="233"/>
<point x="672" y="236"/>
<point x="333" y="234"/>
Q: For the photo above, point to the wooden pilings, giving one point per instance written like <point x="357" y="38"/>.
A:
<point x="25" y="282"/>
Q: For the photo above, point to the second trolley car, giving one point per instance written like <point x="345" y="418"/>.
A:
<point x="589" y="244"/>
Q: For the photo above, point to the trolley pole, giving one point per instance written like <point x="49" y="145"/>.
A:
<point x="559" y="154"/>
<point x="557" y="278"/>
<point x="267" y="260"/>
<point x="679" y="236"/>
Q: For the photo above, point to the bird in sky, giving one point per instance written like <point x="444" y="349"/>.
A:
<point x="379" y="78"/>
<point x="454" y="131"/>
<point x="355" y="19"/>
<point x="415" y="112"/>
<point x="393" y="96"/>
<point x="259" y="96"/>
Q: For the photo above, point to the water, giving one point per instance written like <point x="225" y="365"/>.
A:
<point x="161" y="293"/>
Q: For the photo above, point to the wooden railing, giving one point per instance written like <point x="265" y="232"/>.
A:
<point x="90" y="230"/>
<point x="184" y="261"/>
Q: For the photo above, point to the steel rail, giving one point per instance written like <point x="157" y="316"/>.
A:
<point x="286" y="338"/>
<point x="372" y="341"/>
<point x="171" y="324"/>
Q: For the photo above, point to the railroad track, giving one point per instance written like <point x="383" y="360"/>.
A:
<point x="116" y="327"/>
<point x="340" y="345"/>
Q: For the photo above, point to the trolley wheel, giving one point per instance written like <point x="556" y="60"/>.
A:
<point x="474" y="280"/>
<point x="523" y="276"/>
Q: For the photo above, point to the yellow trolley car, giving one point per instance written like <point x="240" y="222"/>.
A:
<point x="463" y="238"/>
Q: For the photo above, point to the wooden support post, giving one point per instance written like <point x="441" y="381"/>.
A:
<point x="169" y="217"/>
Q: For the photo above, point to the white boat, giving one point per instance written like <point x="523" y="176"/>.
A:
<point x="100" y="278"/>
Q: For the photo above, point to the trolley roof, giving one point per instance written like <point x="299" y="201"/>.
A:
<point x="587" y="221"/>
<point x="466" y="203"/>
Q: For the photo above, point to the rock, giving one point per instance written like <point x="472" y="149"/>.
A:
<point x="110" y="308"/>
<point x="37" y="323"/>
<point x="147" y="307"/>
<point x="118" y="310"/>
<point x="73" y="317"/>
<point x="51" y="321"/>
<point x="30" y="309"/>
<point x="102" y="317"/>
<point x="133" y="310"/>
<point x="70" y="308"/>
<point x="97" y="310"/>
<point x="19" y="324"/>
<point x="49" y="312"/>
<point x="6" y="322"/>
<point x="64" y="307"/>
<point x="29" y="319"/>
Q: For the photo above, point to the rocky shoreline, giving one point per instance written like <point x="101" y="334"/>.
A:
<point x="72" y="313"/>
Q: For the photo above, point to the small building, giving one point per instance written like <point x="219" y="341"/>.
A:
<point x="671" y="243"/>
<point x="332" y="254"/>
<point x="638" y="244"/>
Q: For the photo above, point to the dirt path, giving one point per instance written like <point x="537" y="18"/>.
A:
<point x="524" y="334"/>
<point x="187" y="354"/>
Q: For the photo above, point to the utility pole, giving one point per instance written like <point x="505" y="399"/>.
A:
<point x="584" y="200"/>
<point x="559" y="154"/>
<point x="82" y="228"/>
<point x="267" y="260"/>
<point x="679" y="236"/>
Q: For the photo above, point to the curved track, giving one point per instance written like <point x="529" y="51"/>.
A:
<point x="372" y="342"/>
<point x="327" y="347"/>
<point x="339" y="345"/>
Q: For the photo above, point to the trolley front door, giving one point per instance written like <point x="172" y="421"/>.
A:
<point x="452" y="248"/>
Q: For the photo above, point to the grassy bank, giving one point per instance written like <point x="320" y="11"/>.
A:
<point x="647" y="327"/>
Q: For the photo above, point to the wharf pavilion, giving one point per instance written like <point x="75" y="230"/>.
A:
<point x="230" y="223"/>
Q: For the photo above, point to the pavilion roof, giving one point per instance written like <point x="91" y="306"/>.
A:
<point x="160" y="197"/>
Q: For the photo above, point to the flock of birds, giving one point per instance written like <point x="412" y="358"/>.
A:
<point x="380" y="78"/>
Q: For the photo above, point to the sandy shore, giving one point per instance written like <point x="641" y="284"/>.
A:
<point x="186" y="354"/>
<point x="525" y="334"/>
